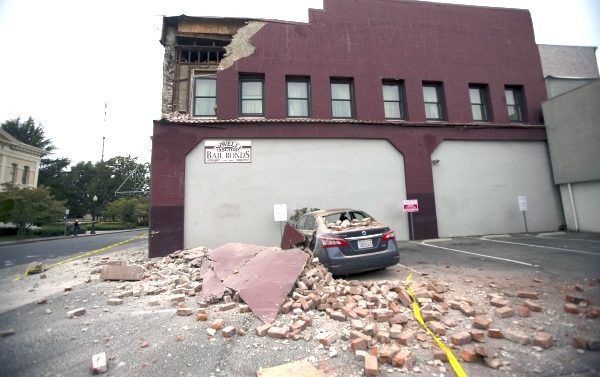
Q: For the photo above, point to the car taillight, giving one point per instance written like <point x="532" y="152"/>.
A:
<point x="333" y="242"/>
<point x="389" y="235"/>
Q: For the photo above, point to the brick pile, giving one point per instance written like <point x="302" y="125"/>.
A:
<point x="373" y="320"/>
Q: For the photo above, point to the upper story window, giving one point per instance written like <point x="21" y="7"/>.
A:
<point x="479" y="103"/>
<point x="298" y="97"/>
<point x="252" y="96"/>
<point x="393" y="99"/>
<point x="13" y="172"/>
<point x="432" y="97"/>
<point x="25" y="177"/>
<point x="342" y="98"/>
<point x="205" y="97"/>
<point x="514" y="103"/>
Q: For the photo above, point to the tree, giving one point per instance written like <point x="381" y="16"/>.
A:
<point x="27" y="132"/>
<point x="27" y="206"/>
<point x="51" y="169"/>
<point x="131" y="210"/>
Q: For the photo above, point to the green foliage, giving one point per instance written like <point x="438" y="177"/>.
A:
<point x="131" y="210"/>
<point x="26" y="206"/>
<point x="49" y="231"/>
<point x="27" y="132"/>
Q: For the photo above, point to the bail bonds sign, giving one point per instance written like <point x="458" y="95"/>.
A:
<point x="227" y="151"/>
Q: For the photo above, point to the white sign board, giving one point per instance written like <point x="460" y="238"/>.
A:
<point x="227" y="151"/>
<point x="522" y="203"/>
<point x="411" y="205"/>
<point x="280" y="212"/>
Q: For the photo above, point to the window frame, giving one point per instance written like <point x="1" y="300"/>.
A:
<point x="14" y="172"/>
<point x="439" y="97"/>
<point x="25" y="175"/>
<point x="351" y="100"/>
<point x="482" y="90"/>
<point x="194" y="96"/>
<point x="298" y="79"/>
<point x="247" y="79"/>
<point x="519" y="102"/>
<point x="399" y="85"/>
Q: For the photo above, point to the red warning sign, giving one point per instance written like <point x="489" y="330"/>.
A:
<point x="411" y="205"/>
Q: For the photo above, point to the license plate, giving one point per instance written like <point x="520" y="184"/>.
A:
<point x="363" y="244"/>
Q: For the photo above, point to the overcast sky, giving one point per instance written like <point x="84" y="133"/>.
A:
<point x="62" y="60"/>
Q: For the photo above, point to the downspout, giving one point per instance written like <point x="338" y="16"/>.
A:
<point x="573" y="208"/>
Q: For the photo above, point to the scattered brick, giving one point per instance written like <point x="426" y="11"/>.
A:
<point x="477" y="336"/>
<point x="114" y="301"/>
<point x="533" y="306"/>
<point x="482" y="322"/>
<point x="228" y="331"/>
<point x="495" y="333"/>
<point x="8" y="332"/>
<point x="120" y="272"/>
<point x="217" y="324"/>
<point x="358" y="344"/>
<point x="523" y="311"/>
<point x="543" y="339"/>
<point x="571" y="308"/>
<point x="505" y="312"/>
<point x="437" y="327"/>
<point x="492" y="362"/>
<point x="406" y="337"/>
<point x="328" y="338"/>
<point x="180" y="338"/>
<point x="529" y="295"/>
<point x="42" y="301"/>
<point x="338" y="316"/>
<point x="580" y="342"/>
<point x="395" y="331"/>
<point x="262" y="330"/>
<point x="460" y="338"/>
<point x="468" y="355"/>
<point x="467" y="309"/>
<point x="403" y="359"/>
<point x="99" y="363"/>
<point x="278" y="332"/>
<point x="516" y="336"/>
<point x="592" y="312"/>
<point x="185" y="311"/>
<point x="387" y="352"/>
<point x="371" y="366"/>
<point x="498" y="302"/>
<point x="201" y="315"/>
<point x="76" y="312"/>
<point x="438" y="354"/>
<point x="482" y="350"/>
<point x="404" y="298"/>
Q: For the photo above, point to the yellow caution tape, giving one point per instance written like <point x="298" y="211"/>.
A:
<point x="84" y="254"/>
<point x="417" y="312"/>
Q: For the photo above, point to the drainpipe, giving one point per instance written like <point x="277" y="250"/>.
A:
<point x="573" y="208"/>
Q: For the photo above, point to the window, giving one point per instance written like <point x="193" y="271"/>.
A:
<point x="205" y="97"/>
<point x="514" y="103"/>
<point x="393" y="99"/>
<point x="25" y="178"/>
<point x="251" y="96"/>
<point x="298" y="94"/>
<point x="15" y="169"/>
<point x="432" y="97"/>
<point x="478" y="96"/>
<point x="342" y="102"/>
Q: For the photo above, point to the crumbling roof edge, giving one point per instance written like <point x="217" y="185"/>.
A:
<point x="224" y="122"/>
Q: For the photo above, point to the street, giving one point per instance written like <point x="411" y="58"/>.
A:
<point x="142" y="338"/>
<point x="14" y="254"/>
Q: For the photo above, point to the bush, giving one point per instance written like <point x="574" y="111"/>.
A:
<point x="49" y="231"/>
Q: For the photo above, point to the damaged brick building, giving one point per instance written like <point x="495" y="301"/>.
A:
<point x="369" y="103"/>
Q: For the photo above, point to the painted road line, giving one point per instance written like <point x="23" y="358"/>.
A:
<point x="85" y="254"/>
<point x="545" y="247"/>
<point x="561" y="238"/>
<point x="480" y="255"/>
<point x="410" y="269"/>
<point x="549" y="234"/>
<point x="496" y="236"/>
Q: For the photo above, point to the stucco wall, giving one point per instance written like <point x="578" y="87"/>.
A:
<point x="574" y="134"/>
<point x="233" y="202"/>
<point x="586" y="199"/>
<point x="477" y="185"/>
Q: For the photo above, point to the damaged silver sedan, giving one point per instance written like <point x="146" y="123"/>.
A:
<point x="346" y="241"/>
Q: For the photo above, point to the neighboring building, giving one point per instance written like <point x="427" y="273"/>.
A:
<point x="19" y="162"/>
<point x="369" y="103"/>
<point x="572" y="118"/>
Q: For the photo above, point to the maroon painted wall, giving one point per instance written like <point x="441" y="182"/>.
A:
<point x="172" y="142"/>
<point x="371" y="40"/>
<point x="367" y="40"/>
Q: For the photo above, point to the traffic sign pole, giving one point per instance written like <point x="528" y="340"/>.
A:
<point x="412" y="227"/>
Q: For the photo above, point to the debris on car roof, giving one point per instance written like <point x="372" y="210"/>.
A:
<point x="353" y="224"/>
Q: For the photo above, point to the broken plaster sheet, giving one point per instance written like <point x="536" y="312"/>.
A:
<point x="212" y="287"/>
<point x="265" y="280"/>
<point x="229" y="258"/>
<point x="300" y="368"/>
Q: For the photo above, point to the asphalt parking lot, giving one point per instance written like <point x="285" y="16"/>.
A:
<point x="47" y="343"/>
